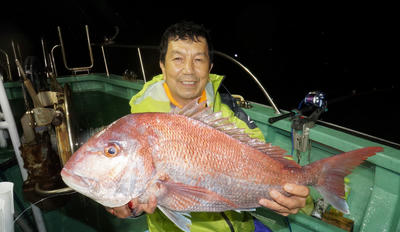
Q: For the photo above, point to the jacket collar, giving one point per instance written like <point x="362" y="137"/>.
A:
<point x="154" y="89"/>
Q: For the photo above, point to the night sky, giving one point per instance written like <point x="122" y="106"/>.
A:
<point x="345" y="50"/>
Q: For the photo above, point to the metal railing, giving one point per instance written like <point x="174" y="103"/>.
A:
<point x="77" y="69"/>
<point x="109" y="44"/>
<point x="221" y="54"/>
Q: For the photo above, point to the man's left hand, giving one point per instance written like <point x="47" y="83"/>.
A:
<point x="284" y="205"/>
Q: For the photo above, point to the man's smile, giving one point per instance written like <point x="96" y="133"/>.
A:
<point x="188" y="84"/>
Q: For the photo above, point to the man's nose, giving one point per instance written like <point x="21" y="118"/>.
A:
<point x="189" y="67"/>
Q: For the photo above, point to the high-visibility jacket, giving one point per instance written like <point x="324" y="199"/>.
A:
<point x="152" y="98"/>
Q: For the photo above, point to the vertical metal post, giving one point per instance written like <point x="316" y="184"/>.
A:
<point x="105" y="60"/>
<point x="141" y="64"/>
<point x="8" y="65"/>
<point x="45" y="58"/>
<point x="15" y="56"/>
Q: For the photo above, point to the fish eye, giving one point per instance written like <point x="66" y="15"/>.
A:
<point x="111" y="150"/>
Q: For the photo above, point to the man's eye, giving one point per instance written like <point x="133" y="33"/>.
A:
<point x="177" y="59"/>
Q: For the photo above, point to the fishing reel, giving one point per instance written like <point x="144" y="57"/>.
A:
<point x="316" y="98"/>
<point x="314" y="101"/>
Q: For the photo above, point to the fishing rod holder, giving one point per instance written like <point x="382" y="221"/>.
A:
<point x="314" y="102"/>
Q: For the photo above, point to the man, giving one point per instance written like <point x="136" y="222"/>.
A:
<point x="186" y="62"/>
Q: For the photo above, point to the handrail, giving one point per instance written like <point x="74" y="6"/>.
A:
<point x="138" y="48"/>
<point x="52" y="60"/>
<point x="76" y="69"/>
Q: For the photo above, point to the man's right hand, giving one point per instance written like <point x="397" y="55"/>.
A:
<point x="134" y="208"/>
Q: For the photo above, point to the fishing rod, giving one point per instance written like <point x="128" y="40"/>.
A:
<point x="317" y="100"/>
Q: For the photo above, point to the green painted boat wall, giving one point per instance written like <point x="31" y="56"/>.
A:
<point x="374" y="185"/>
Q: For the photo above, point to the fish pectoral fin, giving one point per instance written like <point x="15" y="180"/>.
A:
<point x="188" y="195"/>
<point x="181" y="219"/>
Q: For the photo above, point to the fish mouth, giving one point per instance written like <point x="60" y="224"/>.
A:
<point x="88" y="187"/>
<point x="75" y="181"/>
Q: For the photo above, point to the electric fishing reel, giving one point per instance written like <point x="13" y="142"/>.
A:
<point x="314" y="101"/>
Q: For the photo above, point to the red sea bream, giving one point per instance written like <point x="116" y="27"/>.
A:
<point x="195" y="160"/>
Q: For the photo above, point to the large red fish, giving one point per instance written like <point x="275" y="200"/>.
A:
<point x="195" y="160"/>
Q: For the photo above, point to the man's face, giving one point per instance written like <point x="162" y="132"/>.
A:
<point x="186" y="69"/>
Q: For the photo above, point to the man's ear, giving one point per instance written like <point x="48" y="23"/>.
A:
<point x="162" y="69"/>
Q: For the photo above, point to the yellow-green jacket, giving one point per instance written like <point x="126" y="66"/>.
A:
<point x="152" y="98"/>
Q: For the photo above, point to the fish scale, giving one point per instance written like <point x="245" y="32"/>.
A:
<point x="218" y="147"/>
<point x="195" y="160"/>
<point x="221" y="157"/>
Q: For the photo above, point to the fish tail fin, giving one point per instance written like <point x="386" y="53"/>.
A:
<point x="329" y="174"/>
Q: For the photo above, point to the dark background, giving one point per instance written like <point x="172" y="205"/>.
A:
<point x="345" y="50"/>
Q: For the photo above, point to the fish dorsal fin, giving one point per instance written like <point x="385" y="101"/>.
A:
<point x="201" y="112"/>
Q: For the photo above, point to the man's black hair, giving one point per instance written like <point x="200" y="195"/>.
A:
<point x="182" y="31"/>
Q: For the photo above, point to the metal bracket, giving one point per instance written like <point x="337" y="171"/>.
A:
<point x="301" y="139"/>
<point x="240" y="101"/>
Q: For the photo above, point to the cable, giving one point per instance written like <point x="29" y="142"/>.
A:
<point x="37" y="202"/>
<point x="291" y="135"/>
<point x="288" y="223"/>
<point x="300" y="105"/>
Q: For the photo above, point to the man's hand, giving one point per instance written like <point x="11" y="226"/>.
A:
<point x="287" y="205"/>
<point x="134" y="208"/>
